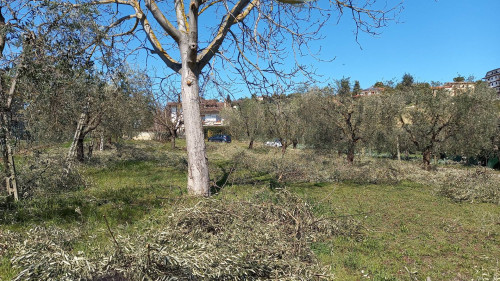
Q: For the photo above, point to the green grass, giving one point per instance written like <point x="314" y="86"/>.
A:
<point x="7" y="272"/>
<point x="409" y="231"/>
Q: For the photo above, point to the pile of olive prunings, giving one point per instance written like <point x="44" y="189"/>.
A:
<point x="267" y="237"/>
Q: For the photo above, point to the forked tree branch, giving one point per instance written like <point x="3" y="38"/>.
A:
<point x="162" y="20"/>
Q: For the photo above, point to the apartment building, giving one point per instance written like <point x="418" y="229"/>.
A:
<point x="493" y="79"/>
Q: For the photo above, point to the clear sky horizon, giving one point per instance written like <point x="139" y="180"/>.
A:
<point x="433" y="41"/>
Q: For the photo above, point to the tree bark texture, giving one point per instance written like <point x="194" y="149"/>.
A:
<point x="426" y="157"/>
<point x="198" y="174"/>
<point x="172" y="142"/>
<point x="397" y="148"/>
<point x="250" y="145"/>
<point x="8" y="157"/>
<point x="74" y="148"/>
<point x="6" y="98"/>
<point x="101" y="142"/>
<point x="350" y="154"/>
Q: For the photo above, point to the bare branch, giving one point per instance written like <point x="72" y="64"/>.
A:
<point x="169" y="61"/>
<point x="206" y="55"/>
<point x="181" y="16"/>
<point x="208" y="6"/>
<point x="162" y="20"/>
<point x="128" y="32"/>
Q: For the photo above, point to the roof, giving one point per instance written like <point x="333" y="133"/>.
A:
<point x="373" y="89"/>
<point x="206" y="106"/>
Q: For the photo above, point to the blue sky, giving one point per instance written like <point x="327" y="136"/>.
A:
<point x="433" y="41"/>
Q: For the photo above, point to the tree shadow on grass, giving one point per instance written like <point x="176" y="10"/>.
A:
<point x="121" y="205"/>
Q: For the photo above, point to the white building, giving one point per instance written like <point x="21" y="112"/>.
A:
<point x="209" y="109"/>
<point x="493" y="79"/>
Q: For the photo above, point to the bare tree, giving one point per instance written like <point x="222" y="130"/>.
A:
<point x="168" y="117"/>
<point x="249" y="38"/>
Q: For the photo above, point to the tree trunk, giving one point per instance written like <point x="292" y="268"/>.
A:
<point x="80" y="153"/>
<point x="350" y="154"/>
<point x="8" y="158"/>
<point x="198" y="175"/>
<point x="101" y="142"/>
<point x="426" y="157"/>
<point x="173" y="136"/>
<point x="172" y="142"/>
<point x="74" y="149"/>
<point x="397" y="147"/>
<point x="250" y="145"/>
<point x="284" y="146"/>
<point x="91" y="148"/>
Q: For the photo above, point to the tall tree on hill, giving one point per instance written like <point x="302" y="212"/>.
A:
<point x="248" y="35"/>
<point x="407" y="80"/>
<point x="344" y="87"/>
<point x="356" y="89"/>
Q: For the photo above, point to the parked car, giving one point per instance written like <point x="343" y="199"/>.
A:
<point x="275" y="143"/>
<point x="220" y="138"/>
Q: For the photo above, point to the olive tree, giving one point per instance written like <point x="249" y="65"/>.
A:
<point x="246" y="119"/>
<point x="341" y="119"/>
<point x="436" y="120"/>
<point x="16" y="38"/>
<point x="283" y="119"/>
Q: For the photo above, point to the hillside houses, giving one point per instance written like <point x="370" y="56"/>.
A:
<point x="371" y="91"/>
<point x="454" y="88"/>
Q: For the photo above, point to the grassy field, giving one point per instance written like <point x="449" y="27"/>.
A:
<point x="389" y="220"/>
